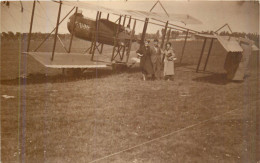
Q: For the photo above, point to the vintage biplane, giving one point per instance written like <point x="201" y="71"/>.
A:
<point x="103" y="31"/>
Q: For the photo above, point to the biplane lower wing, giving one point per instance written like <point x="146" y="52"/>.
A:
<point x="67" y="60"/>
<point x="74" y="60"/>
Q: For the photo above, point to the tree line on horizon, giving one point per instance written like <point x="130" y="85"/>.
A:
<point x="176" y="34"/>
<point x="34" y="36"/>
<point x="172" y="35"/>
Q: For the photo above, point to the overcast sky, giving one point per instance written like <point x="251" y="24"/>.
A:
<point x="241" y="16"/>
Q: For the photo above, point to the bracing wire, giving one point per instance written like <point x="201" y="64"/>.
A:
<point x="14" y="20"/>
<point x="46" y="14"/>
<point x="25" y="17"/>
<point x="27" y="10"/>
<point x="53" y="26"/>
<point x="12" y="17"/>
<point x="27" y="20"/>
<point x="3" y="25"/>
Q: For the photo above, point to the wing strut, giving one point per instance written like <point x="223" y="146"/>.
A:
<point x="115" y="39"/>
<point x="183" y="48"/>
<point x="93" y="37"/>
<point x="73" y="29"/>
<point x="223" y="27"/>
<point x="94" y="43"/>
<point x="164" y="33"/>
<point x="168" y="35"/>
<point x="130" y="43"/>
<point x="124" y="20"/>
<point x="144" y="31"/>
<point x="163" y="37"/>
<point x="154" y="6"/>
<point x="30" y="32"/>
<point x="124" y="41"/>
<point x="101" y="51"/>
<point x="56" y="32"/>
<point x="201" y="54"/>
<point x="211" y="44"/>
<point x="161" y="6"/>
<point x="129" y="22"/>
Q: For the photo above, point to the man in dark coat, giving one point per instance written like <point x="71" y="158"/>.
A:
<point x="156" y="59"/>
<point x="144" y="53"/>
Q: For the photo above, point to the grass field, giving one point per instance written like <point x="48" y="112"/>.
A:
<point x="104" y="116"/>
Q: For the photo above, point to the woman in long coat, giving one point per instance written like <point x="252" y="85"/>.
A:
<point x="169" y="55"/>
<point x="144" y="53"/>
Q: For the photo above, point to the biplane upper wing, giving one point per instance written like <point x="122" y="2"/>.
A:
<point x="186" y="19"/>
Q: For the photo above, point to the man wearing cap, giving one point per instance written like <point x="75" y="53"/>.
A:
<point x="144" y="53"/>
<point x="156" y="59"/>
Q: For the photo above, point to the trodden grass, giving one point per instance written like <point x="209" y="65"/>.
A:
<point x="116" y="117"/>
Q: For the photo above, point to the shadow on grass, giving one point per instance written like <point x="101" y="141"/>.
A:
<point x="219" y="79"/>
<point x="178" y="64"/>
<point x="40" y="78"/>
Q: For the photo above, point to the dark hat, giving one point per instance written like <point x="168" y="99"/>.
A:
<point x="169" y="43"/>
<point x="147" y="41"/>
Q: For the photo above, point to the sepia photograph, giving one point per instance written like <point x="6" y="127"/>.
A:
<point x="130" y="81"/>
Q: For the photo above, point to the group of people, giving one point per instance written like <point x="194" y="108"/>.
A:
<point x="156" y="63"/>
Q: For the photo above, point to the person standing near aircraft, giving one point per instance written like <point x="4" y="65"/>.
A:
<point x="144" y="52"/>
<point x="128" y="29"/>
<point x="156" y="59"/>
<point x="169" y="57"/>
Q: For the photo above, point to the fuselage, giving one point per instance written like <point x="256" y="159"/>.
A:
<point x="85" y="29"/>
